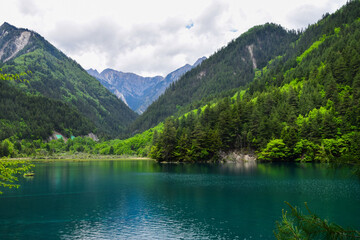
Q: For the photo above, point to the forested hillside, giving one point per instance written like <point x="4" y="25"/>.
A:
<point x="303" y="105"/>
<point x="24" y="116"/>
<point x="231" y="67"/>
<point x="56" y="76"/>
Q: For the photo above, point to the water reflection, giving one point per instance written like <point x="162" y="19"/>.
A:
<point x="239" y="167"/>
<point x="148" y="200"/>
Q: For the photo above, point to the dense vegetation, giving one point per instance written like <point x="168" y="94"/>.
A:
<point x="303" y="105"/>
<point x="138" y="145"/>
<point x="25" y="116"/>
<point x="56" y="76"/>
<point x="229" y="68"/>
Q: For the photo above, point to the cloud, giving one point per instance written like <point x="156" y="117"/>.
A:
<point x="309" y="14"/>
<point x="211" y="22"/>
<point x="149" y="48"/>
<point x="28" y="7"/>
<point x="157" y="37"/>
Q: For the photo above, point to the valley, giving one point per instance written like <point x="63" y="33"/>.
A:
<point x="272" y="95"/>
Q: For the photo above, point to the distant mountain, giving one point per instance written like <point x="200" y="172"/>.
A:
<point x="56" y="76"/>
<point x="136" y="91"/>
<point x="229" y="68"/>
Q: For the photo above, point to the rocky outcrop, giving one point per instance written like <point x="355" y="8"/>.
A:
<point x="251" y="52"/>
<point x="56" y="136"/>
<point x="12" y="41"/>
<point x="237" y="157"/>
<point x="93" y="137"/>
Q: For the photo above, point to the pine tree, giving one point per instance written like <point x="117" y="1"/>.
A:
<point x="297" y="225"/>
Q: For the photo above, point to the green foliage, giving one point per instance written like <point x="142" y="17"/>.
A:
<point x="315" y="45"/>
<point x="10" y="170"/>
<point x="305" y="150"/>
<point x="14" y="77"/>
<point x="32" y="117"/>
<point x="296" y="225"/>
<point x="275" y="150"/>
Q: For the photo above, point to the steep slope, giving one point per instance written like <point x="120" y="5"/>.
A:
<point x="56" y="76"/>
<point x="231" y="67"/>
<point x="302" y="106"/>
<point x="136" y="91"/>
<point x="128" y="87"/>
<point x="35" y="117"/>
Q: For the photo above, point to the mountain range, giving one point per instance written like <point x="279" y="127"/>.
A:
<point x="136" y="91"/>
<point x="231" y="67"/>
<point x="56" y="76"/>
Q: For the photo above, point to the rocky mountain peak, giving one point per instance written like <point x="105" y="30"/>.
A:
<point x="136" y="91"/>
<point x="199" y="61"/>
<point x="6" y="26"/>
<point x="12" y="41"/>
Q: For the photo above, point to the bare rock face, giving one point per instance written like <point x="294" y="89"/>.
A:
<point x="93" y="137"/>
<point x="237" y="157"/>
<point x="56" y="136"/>
<point x="251" y="52"/>
<point x="12" y="41"/>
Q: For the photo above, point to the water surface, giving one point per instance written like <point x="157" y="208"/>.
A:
<point x="146" y="200"/>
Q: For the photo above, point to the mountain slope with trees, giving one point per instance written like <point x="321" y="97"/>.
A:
<point x="56" y="76"/>
<point x="231" y="67"/>
<point x="301" y="106"/>
<point x="25" y="116"/>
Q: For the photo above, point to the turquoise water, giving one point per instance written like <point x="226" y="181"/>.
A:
<point x="147" y="200"/>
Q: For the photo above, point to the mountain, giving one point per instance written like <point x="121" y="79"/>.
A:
<point x="135" y="91"/>
<point x="231" y="67"/>
<point x="128" y="87"/>
<point x="55" y="76"/>
<point x="303" y="105"/>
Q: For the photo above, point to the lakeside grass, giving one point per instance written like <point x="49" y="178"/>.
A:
<point x="80" y="157"/>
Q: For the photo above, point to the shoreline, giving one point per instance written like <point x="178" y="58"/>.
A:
<point x="80" y="157"/>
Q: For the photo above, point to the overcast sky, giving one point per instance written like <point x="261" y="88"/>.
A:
<point x="153" y="37"/>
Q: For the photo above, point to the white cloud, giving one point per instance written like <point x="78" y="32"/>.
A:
<point x="152" y="37"/>
<point x="28" y="7"/>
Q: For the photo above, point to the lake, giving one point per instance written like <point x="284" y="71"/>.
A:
<point x="143" y="199"/>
